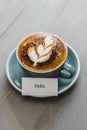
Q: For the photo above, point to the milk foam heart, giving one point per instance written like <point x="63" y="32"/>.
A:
<point x="40" y="53"/>
<point x="48" y="41"/>
<point x="43" y="50"/>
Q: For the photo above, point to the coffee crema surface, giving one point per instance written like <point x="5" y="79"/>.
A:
<point x="41" y="52"/>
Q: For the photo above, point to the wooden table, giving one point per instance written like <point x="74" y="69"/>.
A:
<point x="66" y="18"/>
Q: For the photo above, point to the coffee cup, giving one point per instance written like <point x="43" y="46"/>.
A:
<point x="43" y="54"/>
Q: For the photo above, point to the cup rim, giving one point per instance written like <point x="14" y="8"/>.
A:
<point x="29" y="70"/>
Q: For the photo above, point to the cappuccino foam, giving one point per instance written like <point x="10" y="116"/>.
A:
<point x="41" y="52"/>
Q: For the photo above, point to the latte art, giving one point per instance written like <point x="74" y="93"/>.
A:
<point x="48" y="41"/>
<point x="41" y="52"/>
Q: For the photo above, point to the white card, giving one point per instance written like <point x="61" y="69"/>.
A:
<point x="39" y="87"/>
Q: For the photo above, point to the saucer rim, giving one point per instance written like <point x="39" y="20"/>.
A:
<point x="59" y="92"/>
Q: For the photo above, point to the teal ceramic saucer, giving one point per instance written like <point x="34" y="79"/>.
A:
<point x="15" y="73"/>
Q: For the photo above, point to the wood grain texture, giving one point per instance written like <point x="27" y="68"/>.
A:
<point x="66" y="18"/>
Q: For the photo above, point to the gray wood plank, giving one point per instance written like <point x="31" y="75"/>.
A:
<point x="9" y="10"/>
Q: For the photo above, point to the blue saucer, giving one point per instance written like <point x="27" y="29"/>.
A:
<point x="15" y="73"/>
